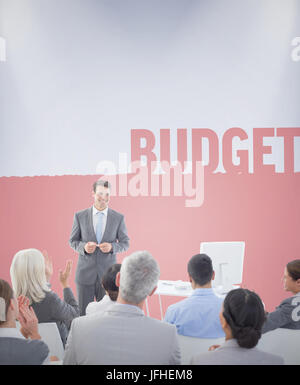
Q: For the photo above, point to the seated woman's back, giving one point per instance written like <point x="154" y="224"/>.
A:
<point x="241" y="318"/>
<point x="230" y="353"/>
<point x="53" y="309"/>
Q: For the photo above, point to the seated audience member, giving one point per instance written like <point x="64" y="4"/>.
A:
<point x="28" y="273"/>
<point x="111" y="291"/>
<point x="19" y="347"/>
<point x="123" y="335"/>
<point x="198" y="315"/>
<point x="287" y="314"/>
<point x="241" y="318"/>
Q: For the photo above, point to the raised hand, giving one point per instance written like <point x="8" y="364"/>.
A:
<point x="23" y="300"/>
<point x="48" y="265"/>
<point x="64" y="275"/>
<point x="28" y="320"/>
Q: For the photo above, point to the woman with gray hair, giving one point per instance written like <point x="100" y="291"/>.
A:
<point x="29" y="272"/>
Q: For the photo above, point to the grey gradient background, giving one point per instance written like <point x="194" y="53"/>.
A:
<point x="80" y="74"/>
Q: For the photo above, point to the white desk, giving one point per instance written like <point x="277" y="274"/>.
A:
<point x="180" y="289"/>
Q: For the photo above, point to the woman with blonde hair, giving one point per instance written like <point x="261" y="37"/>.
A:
<point x="30" y="270"/>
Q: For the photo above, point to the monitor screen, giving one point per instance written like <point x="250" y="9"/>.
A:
<point x="227" y="260"/>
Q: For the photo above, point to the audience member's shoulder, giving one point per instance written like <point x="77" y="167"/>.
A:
<point x="222" y="357"/>
<point x="51" y="296"/>
<point x="177" y="305"/>
<point x="38" y="349"/>
<point x="87" y="319"/>
<point x="272" y="359"/>
<point x="91" y="308"/>
<point x="160" y="324"/>
<point x="287" y="301"/>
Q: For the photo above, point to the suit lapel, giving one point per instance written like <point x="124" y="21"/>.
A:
<point x="109" y="221"/>
<point x="90" y="223"/>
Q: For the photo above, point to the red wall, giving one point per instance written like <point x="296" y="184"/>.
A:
<point x="261" y="210"/>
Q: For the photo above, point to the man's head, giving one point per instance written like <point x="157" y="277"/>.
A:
<point x="9" y="310"/>
<point x="138" y="277"/>
<point x="101" y="194"/>
<point x="109" y="281"/>
<point x="200" y="269"/>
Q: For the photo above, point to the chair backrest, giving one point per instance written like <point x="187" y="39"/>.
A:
<point x="190" y="346"/>
<point x="50" y="335"/>
<point x="282" y="342"/>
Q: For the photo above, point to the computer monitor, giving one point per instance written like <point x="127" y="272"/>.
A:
<point x="227" y="260"/>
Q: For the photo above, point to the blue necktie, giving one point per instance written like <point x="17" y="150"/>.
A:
<point x="99" y="226"/>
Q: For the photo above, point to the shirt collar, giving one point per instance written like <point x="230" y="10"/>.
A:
<point x="201" y="291"/>
<point x="126" y="308"/>
<point x="11" y="332"/>
<point x="95" y="211"/>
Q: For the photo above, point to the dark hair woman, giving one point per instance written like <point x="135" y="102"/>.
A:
<point x="241" y="318"/>
<point x="287" y="314"/>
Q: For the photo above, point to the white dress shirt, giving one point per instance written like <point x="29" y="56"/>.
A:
<point x="99" y="307"/>
<point x="96" y="218"/>
<point x="11" y="332"/>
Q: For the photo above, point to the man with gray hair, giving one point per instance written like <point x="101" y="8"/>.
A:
<point x="123" y="335"/>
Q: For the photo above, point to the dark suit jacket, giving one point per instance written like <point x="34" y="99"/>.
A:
<point x="53" y="309"/>
<point x="92" y="265"/>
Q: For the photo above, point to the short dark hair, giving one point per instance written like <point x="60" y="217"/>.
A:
<point x="109" y="281"/>
<point x="293" y="269"/>
<point x="6" y="292"/>
<point x="244" y="312"/>
<point x="200" y="269"/>
<point x="101" y="182"/>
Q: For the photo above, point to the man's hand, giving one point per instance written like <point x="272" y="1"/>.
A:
<point x="90" y="247"/>
<point x="64" y="275"/>
<point x="213" y="347"/>
<point x="105" y="247"/>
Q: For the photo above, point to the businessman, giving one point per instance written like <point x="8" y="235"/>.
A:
<point x="98" y="234"/>
<point x="123" y="335"/>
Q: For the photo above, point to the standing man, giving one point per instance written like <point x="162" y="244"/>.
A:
<point x="98" y="234"/>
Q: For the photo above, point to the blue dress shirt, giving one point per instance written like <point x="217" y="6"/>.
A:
<point x="197" y="315"/>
